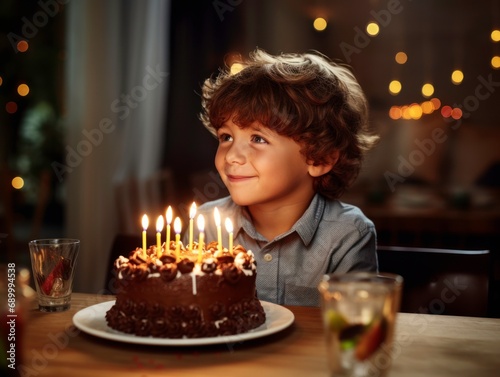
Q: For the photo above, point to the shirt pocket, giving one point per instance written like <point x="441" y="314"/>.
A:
<point x="301" y="296"/>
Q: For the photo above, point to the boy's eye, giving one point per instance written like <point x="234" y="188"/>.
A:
<point x="258" y="139"/>
<point x="224" y="137"/>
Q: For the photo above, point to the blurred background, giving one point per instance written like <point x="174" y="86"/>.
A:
<point x="99" y="104"/>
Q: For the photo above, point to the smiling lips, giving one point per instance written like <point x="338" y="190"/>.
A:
<point x="237" y="178"/>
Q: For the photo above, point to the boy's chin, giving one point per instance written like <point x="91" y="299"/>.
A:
<point x="241" y="200"/>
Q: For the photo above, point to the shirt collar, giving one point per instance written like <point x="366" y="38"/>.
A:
<point x="305" y="227"/>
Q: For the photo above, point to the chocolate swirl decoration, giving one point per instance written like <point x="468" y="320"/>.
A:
<point x="239" y="249"/>
<point x="175" y="330"/>
<point x="225" y="259"/>
<point x="153" y="266"/>
<point x="127" y="271"/>
<point x="159" y="327"/>
<point x="185" y="266"/>
<point x="137" y="257"/>
<point x="168" y="271"/>
<point x="235" y="310"/>
<point x="212" y="247"/>
<point x="166" y="259"/>
<point x="208" y="265"/>
<point x="140" y="309"/>
<point x="143" y="327"/>
<point x="243" y="260"/>
<point x="141" y="272"/>
<point x="119" y="321"/>
<point x="120" y="262"/>
<point x="231" y="273"/>
<point x="194" y="329"/>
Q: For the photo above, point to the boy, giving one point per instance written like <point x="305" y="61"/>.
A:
<point x="292" y="132"/>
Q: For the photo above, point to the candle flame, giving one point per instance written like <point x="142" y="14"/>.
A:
<point x="145" y="222"/>
<point x="217" y="216"/>
<point x="177" y="225"/>
<point x="201" y="223"/>
<point x="229" y="225"/>
<point x="169" y="215"/>
<point x="192" y="211"/>
<point x="159" y="224"/>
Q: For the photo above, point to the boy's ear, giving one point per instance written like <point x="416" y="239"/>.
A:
<point x="317" y="170"/>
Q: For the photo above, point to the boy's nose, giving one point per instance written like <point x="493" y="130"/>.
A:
<point x="236" y="154"/>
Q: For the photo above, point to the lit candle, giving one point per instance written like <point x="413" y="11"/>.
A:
<point x="219" y="229"/>
<point x="159" y="228"/>
<point x="201" y="228"/>
<point x="192" y="213"/>
<point x="145" y="223"/>
<point x="168" y="216"/>
<point x="229" y="228"/>
<point x="177" y="229"/>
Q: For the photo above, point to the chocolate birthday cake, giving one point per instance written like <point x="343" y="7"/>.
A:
<point x="178" y="293"/>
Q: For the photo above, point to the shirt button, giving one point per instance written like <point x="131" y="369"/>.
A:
<point x="268" y="257"/>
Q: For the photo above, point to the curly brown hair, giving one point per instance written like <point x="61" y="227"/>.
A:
<point x="307" y="97"/>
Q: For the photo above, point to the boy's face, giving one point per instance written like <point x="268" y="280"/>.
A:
<point x="261" y="167"/>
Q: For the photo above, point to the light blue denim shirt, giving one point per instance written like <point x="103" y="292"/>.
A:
<point x="331" y="236"/>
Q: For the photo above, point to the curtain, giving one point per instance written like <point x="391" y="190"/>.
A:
<point x="116" y="88"/>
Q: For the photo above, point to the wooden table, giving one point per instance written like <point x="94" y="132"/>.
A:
<point x="425" y="345"/>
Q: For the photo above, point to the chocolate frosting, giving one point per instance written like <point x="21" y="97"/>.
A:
<point x="175" y="297"/>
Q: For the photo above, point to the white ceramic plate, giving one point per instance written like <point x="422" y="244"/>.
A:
<point x="91" y="320"/>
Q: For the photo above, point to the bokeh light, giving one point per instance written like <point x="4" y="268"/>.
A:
<point x="23" y="90"/>
<point x="427" y="107"/>
<point x="495" y="62"/>
<point x="456" y="113"/>
<point x="395" y="112"/>
<point x="17" y="183"/>
<point x="11" y="107"/>
<point x="401" y="57"/>
<point x="415" y="111"/>
<point x="372" y="29"/>
<point x="320" y="24"/>
<point x="457" y="76"/>
<point x="446" y="111"/>
<point x="436" y="103"/>
<point x="22" y="46"/>
<point x="395" y="87"/>
<point x="427" y="90"/>
<point x="495" y="35"/>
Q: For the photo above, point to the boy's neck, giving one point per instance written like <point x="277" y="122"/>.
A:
<point x="271" y="221"/>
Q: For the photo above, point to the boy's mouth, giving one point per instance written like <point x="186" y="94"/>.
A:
<point x="238" y="178"/>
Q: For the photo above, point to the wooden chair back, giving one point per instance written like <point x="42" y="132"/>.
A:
<point x="440" y="281"/>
